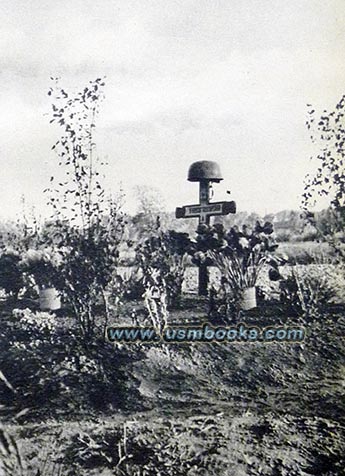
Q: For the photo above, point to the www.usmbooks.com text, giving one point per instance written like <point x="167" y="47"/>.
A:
<point x="206" y="333"/>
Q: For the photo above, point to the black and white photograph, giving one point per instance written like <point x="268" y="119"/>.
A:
<point x="172" y="238"/>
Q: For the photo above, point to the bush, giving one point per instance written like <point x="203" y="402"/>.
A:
<point x="305" y="291"/>
<point x="52" y="372"/>
<point x="161" y="259"/>
<point x="284" y="235"/>
<point x="305" y="253"/>
<point x="11" y="276"/>
<point x="88" y="227"/>
<point x="42" y="264"/>
<point x="88" y="263"/>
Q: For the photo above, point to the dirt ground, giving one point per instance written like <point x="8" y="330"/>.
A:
<point x="202" y="408"/>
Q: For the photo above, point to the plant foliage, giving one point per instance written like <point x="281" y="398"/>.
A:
<point x="88" y="225"/>
<point x="328" y="132"/>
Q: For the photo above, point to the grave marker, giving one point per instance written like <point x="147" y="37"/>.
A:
<point x="205" y="172"/>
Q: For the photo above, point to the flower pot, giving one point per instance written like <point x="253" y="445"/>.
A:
<point x="49" y="299"/>
<point x="248" y="299"/>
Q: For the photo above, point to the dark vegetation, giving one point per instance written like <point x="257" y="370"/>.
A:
<point x="72" y="404"/>
<point x="180" y="409"/>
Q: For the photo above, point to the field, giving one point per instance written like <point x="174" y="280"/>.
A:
<point x="140" y="335"/>
<point x="262" y="408"/>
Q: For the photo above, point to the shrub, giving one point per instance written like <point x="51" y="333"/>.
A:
<point x="88" y="263"/>
<point x="161" y="259"/>
<point x="88" y="227"/>
<point x="327" y="132"/>
<point x="11" y="276"/>
<point x="284" y="235"/>
<point x="43" y="265"/>
<point x="132" y="283"/>
<point x="304" y="291"/>
<point x="52" y="372"/>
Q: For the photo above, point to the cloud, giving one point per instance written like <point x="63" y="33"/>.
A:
<point x="186" y="79"/>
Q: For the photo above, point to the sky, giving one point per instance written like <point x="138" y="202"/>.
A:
<point x="186" y="80"/>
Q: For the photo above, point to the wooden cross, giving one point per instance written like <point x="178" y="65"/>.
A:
<point x="204" y="210"/>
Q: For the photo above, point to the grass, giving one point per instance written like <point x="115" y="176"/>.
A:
<point x="305" y="252"/>
<point x="168" y="409"/>
<point x="222" y="409"/>
<point x="209" y="442"/>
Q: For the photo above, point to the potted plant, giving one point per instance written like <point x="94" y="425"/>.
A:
<point x="165" y="252"/>
<point x="240" y="255"/>
<point x="42" y="265"/>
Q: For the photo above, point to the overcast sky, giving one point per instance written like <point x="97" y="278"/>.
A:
<point x="187" y="80"/>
